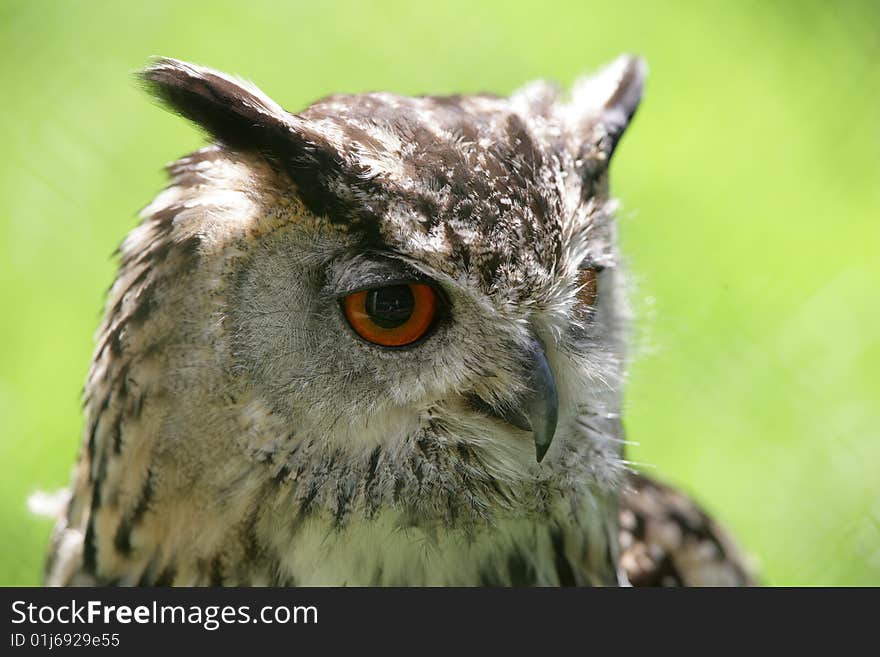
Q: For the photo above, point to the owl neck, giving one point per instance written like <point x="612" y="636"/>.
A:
<point x="430" y="511"/>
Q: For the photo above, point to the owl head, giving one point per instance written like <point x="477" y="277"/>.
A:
<point x="378" y="275"/>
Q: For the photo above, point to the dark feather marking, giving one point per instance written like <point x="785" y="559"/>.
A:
<point x="284" y="580"/>
<point x="399" y="484"/>
<point x="305" y="505"/>
<point x="166" y="577"/>
<point x="452" y="503"/>
<point x="188" y="251"/>
<point x="137" y="406"/>
<point x="376" y="580"/>
<point x="321" y="473"/>
<point x="93" y="431"/>
<point x="420" y="458"/>
<point x="122" y="538"/>
<point x="344" y="494"/>
<point x="370" y="492"/>
<point x="117" y="434"/>
<point x="90" y="556"/>
<point x="254" y="552"/>
<point x="372" y="468"/>
<point x="216" y="573"/>
<point x="283" y="473"/>
<point x="89" y="544"/>
<point x="564" y="571"/>
<point x="520" y="569"/>
<point x="499" y="491"/>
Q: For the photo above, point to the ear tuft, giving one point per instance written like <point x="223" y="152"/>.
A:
<point x="232" y="111"/>
<point x="603" y="105"/>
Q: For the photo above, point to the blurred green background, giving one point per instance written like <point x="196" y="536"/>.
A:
<point x="750" y="184"/>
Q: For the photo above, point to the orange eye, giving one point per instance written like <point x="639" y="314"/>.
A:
<point x="588" y="287"/>
<point x="392" y="316"/>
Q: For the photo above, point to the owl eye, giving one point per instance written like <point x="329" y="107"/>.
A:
<point x="588" y="286"/>
<point x="393" y="316"/>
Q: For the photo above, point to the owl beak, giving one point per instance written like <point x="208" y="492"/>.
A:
<point x="537" y="409"/>
<point x="540" y="405"/>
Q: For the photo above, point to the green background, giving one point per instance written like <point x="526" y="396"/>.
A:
<point x="751" y="222"/>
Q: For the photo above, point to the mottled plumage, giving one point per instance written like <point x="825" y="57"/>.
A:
<point x="238" y="430"/>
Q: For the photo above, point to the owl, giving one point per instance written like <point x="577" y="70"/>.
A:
<point x="381" y="341"/>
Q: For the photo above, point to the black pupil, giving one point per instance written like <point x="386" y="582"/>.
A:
<point x="390" y="307"/>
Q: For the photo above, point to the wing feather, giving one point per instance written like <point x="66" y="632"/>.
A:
<point x="666" y="539"/>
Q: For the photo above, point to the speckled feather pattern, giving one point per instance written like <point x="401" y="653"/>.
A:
<point x="238" y="433"/>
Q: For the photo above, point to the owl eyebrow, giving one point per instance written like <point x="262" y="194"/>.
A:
<point x="369" y="284"/>
<point x="379" y="270"/>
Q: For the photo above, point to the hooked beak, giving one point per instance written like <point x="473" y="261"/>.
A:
<point x="537" y="410"/>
